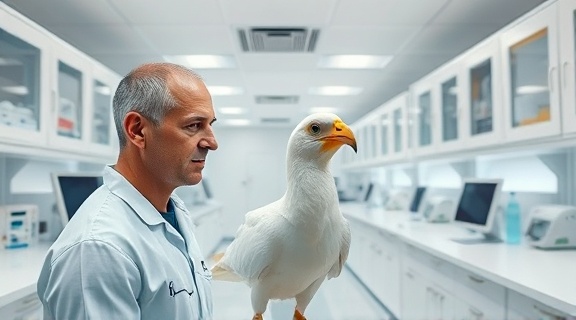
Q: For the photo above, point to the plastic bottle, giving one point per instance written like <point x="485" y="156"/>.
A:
<point x="513" y="223"/>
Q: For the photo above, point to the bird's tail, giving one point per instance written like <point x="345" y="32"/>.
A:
<point x="222" y="274"/>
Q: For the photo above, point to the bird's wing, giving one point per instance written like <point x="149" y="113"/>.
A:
<point x="253" y="250"/>
<point x="344" y="249"/>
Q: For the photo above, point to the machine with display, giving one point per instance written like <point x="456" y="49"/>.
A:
<point x="438" y="209"/>
<point x="71" y="189"/>
<point x="478" y="208"/>
<point x="552" y="227"/>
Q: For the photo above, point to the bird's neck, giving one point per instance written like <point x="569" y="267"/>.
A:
<point x="310" y="194"/>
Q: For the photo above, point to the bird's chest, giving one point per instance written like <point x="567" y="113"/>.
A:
<point x="317" y="247"/>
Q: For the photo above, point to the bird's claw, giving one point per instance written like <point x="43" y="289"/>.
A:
<point x="298" y="315"/>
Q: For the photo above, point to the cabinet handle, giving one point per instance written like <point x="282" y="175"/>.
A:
<point x="548" y="313"/>
<point x="550" y="79"/>
<point x="475" y="279"/>
<point x="565" y="66"/>
<point x="477" y="313"/>
<point x="410" y="275"/>
<point x="54" y="101"/>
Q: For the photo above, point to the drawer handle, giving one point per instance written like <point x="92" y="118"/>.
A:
<point x="475" y="279"/>
<point x="548" y="313"/>
<point x="410" y="275"/>
<point x="476" y="313"/>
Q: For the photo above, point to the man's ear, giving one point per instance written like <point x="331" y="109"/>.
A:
<point x="134" y="124"/>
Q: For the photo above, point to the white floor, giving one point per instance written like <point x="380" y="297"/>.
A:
<point x="342" y="298"/>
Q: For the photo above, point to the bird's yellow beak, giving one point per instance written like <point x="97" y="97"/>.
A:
<point x="341" y="134"/>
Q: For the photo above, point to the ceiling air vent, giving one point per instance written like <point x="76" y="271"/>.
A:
<point x="278" y="39"/>
<point x="275" y="120"/>
<point x="277" y="99"/>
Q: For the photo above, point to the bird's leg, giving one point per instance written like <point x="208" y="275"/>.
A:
<point x="258" y="316"/>
<point x="298" y="315"/>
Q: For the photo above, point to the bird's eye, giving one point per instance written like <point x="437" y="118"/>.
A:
<point x="315" y="128"/>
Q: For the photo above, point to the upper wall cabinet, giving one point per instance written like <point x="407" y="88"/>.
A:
<point x="449" y="103"/>
<point x="24" y="79"/>
<point x="529" y="52"/>
<point x="53" y="96"/>
<point x="567" y="12"/>
<point x="396" y="121"/>
<point x="481" y="94"/>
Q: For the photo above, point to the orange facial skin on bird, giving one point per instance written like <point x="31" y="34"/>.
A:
<point x="340" y="134"/>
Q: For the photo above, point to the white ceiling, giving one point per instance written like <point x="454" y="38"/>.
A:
<point x="420" y="34"/>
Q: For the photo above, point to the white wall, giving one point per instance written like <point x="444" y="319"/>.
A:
<point x="247" y="158"/>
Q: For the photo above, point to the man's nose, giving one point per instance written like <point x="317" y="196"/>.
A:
<point x="209" y="142"/>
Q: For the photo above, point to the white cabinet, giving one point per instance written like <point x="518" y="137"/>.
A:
<point x="567" y="65"/>
<point x="413" y="297"/>
<point x="397" y="128"/>
<point x="450" y="96"/>
<point x="477" y="297"/>
<point x="529" y="52"/>
<point x="53" y="96"/>
<point x="521" y="307"/>
<point x="24" y="81"/>
<point x="208" y="230"/>
<point x="25" y="308"/>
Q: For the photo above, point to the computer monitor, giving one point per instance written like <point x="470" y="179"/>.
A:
<point x="417" y="199"/>
<point x="478" y="208"/>
<point x="71" y="189"/>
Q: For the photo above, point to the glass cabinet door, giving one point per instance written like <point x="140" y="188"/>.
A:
<point x="384" y="134"/>
<point x="101" y="113"/>
<point x="24" y="75"/>
<point x="425" y="119"/>
<point x="481" y="117"/>
<point x="567" y="13"/>
<point x="529" y="80"/>
<point x="530" y="65"/>
<point x="449" y="105"/>
<point x="19" y="83"/>
<point x="398" y="125"/>
<point x="70" y="102"/>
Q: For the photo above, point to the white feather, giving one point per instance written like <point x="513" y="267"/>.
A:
<point x="287" y="248"/>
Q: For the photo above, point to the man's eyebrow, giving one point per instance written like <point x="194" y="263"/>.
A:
<point x="213" y="120"/>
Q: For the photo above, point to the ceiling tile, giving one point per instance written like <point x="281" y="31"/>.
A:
<point x="190" y="40"/>
<point x="170" y="12"/>
<point x="280" y="62"/>
<point x="363" y="40"/>
<point x="448" y="39"/>
<point x="277" y="12"/>
<point x="496" y="12"/>
<point x="385" y="12"/>
<point x="124" y="63"/>
<point x="67" y="12"/>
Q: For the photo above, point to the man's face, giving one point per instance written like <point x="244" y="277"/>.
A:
<point x="177" y="149"/>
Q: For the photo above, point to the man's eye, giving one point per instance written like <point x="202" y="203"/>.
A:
<point x="194" y="126"/>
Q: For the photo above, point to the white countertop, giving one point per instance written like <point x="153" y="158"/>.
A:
<point x="20" y="268"/>
<point x="548" y="276"/>
<point x="19" y="271"/>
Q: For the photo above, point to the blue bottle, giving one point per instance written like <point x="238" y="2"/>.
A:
<point x="513" y="221"/>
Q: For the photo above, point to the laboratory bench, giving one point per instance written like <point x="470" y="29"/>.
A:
<point x="20" y="268"/>
<point x="417" y="271"/>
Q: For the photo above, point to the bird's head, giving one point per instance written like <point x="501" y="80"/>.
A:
<point x="319" y="136"/>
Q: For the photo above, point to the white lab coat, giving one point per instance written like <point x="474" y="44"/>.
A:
<point x="118" y="258"/>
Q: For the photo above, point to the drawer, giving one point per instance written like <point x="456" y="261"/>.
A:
<point x="522" y="307"/>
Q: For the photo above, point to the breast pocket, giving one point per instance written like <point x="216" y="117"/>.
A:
<point x="204" y="282"/>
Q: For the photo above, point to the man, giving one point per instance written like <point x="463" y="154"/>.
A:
<point x="129" y="251"/>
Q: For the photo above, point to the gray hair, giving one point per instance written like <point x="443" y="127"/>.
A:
<point x="146" y="91"/>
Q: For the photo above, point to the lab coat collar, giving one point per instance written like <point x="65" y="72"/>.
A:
<point x="119" y="186"/>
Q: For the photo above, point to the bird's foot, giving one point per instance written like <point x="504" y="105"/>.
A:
<point x="257" y="316"/>
<point x="298" y="315"/>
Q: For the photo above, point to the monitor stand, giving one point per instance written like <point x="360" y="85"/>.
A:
<point x="493" y="236"/>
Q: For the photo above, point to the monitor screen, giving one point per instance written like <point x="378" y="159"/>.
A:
<point x="71" y="189"/>
<point x="417" y="199"/>
<point x="478" y="205"/>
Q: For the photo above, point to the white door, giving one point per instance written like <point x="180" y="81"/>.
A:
<point x="568" y="75"/>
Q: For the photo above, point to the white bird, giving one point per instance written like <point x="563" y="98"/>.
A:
<point x="287" y="248"/>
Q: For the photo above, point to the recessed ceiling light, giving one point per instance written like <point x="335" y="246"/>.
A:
<point x="224" y="90"/>
<point x="237" y="122"/>
<point x="323" y="109"/>
<point x="335" y="91"/>
<point x="232" y="110"/>
<point x="203" y="61"/>
<point x="354" y="61"/>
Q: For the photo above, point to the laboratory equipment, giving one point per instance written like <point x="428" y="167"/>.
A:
<point x="398" y="200"/>
<point x="18" y="225"/>
<point x="438" y="209"/>
<point x="415" y="205"/>
<point x="71" y="189"/>
<point x="552" y="227"/>
<point x="477" y="209"/>
<point x="513" y="222"/>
